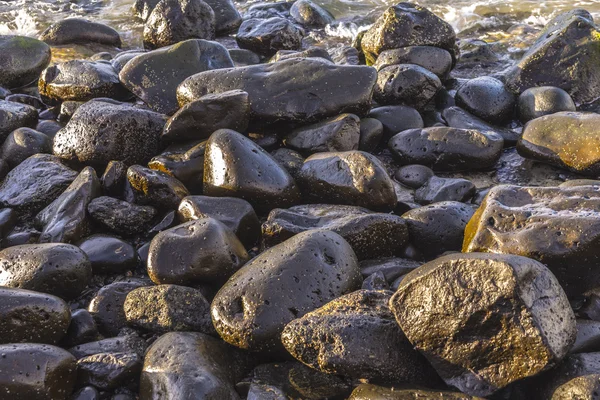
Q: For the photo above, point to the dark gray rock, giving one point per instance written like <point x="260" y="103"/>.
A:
<point x="203" y="250"/>
<point x="234" y="166"/>
<point x="130" y="343"/>
<point x="15" y="115"/>
<point x="434" y="59"/>
<point x="351" y="177"/>
<point x="309" y="52"/>
<point x="184" y="162"/>
<point x="371" y="132"/>
<point x="307" y="13"/>
<point x="155" y="188"/>
<point x="120" y="216"/>
<point x="108" y="371"/>
<point x="100" y="132"/>
<point x="281" y="284"/>
<point x="276" y="95"/>
<point x="267" y="36"/>
<point x="391" y="268"/>
<point x="109" y="254"/>
<point x="173" y="21"/>
<point x="487" y="98"/>
<point x="341" y="133"/>
<point x="289" y="159"/>
<point x="396" y="119"/>
<point x="155" y="75"/>
<point x="82" y="329"/>
<point x="588" y="337"/>
<point x="23" y="143"/>
<point x="243" y="57"/>
<point x="539" y="101"/>
<point x="480" y="337"/>
<point x="438" y="189"/>
<point x="366" y="391"/>
<point x="21" y="60"/>
<point x="227" y="17"/>
<point x="406" y="84"/>
<point x="456" y="117"/>
<point x="413" y="175"/>
<point x="80" y="31"/>
<point x="198" y="119"/>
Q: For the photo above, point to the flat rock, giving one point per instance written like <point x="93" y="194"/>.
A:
<point x="120" y="216"/>
<point x="341" y="133"/>
<point x="80" y="31"/>
<point x="366" y="391"/>
<point x="456" y="117"/>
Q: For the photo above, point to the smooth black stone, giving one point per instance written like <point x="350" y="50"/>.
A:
<point x="396" y="119"/>
<point x="434" y="59"/>
<point x="406" y="84"/>
<point x="49" y="127"/>
<point x="413" y="175"/>
<point x="307" y="13"/>
<point x="66" y="218"/>
<point x="59" y="269"/>
<point x="109" y="254"/>
<point x="281" y="284"/>
<point x="121" y="59"/>
<point x="456" y="117"/>
<point x="289" y="159"/>
<point x="588" y="337"/>
<point x="186" y="163"/>
<point x="236" y="214"/>
<point x="154" y="76"/>
<point x="120" y="216"/>
<point x="438" y="189"/>
<point x="198" y="119"/>
<point x="100" y="132"/>
<point x="80" y="80"/>
<point x="19" y="237"/>
<point x="168" y="221"/>
<point x="86" y="393"/>
<point x="36" y="372"/>
<point x="27" y="316"/>
<point x="251" y="173"/>
<point x="539" y="101"/>
<point x="340" y="133"/>
<point x="199" y="251"/>
<point x="371" y="132"/>
<point x="487" y="98"/>
<point x="15" y="115"/>
<point x="23" y="143"/>
<point x="107" y="305"/>
<point x="26" y="99"/>
<point x="82" y="329"/>
<point x="155" y="188"/>
<point x="80" y="31"/>
<point x="32" y="55"/>
<point x="114" y="178"/>
<point x="267" y="36"/>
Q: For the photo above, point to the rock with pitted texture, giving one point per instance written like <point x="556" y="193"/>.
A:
<point x="192" y="365"/>
<point x="367" y="391"/>
<point x="495" y="319"/>
<point x="103" y="131"/>
<point x="558" y="226"/>
<point x="447" y="149"/>
<point x="173" y="21"/>
<point x="21" y="60"/>
<point x="120" y="216"/>
<point x="352" y="177"/>
<point x="80" y="80"/>
<point x="267" y="36"/>
<point x="583" y="387"/>
<point x="277" y="94"/>
<point x="371" y="235"/>
<point x="404" y="25"/>
<point x="569" y="140"/>
<point x="341" y="133"/>
<point x="154" y="76"/>
<point x="406" y="84"/>
<point x="200" y="251"/>
<point x="356" y="336"/>
<point x="80" y="31"/>
<point x="234" y="166"/>
<point x="281" y="284"/>
<point x="36" y="372"/>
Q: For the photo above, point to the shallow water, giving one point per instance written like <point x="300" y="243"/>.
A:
<point x="489" y="20"/>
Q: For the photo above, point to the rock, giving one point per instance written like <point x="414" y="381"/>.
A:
<point x="21" y="60"/>
<point x="266" y="36"/>
<point x="36" y="372"/>
<point x="562" y="234"/>
<point x="62" y="270"/>
<point x="108" y="371"/>
<point x="143" y="8"/>
<point x="356" y="336"/>
<point x="351" y="177"/>
<point x="23" y="143"/>
<point x="80" y="31"/>
<point x="281" y="284"/>
<point x="487" y="98"/>
<point x="344" y="55"/>
<point x="82" y="329"/>
<point x="15" y="115"/>
<point x="185" y="164"/>
<point x="439" y="227"/>
<point x="588" y="337"/>
<point x="325" y="89"/>
<point x="32" y="101"/>
<point x="307" y="13"/>
<point x="243" y="57"/>
<point x="236" y="214"/>
<point x="155" y="187"/>
<point x="190" y="364"/>
<point x="438" y="189"/>
<point x="199" y="251"/>
<point x="108" y="254"/>
<point x="120" y="216"/>
<point x="65" y="219"/>
<point x="107" y="306"/>
<point x="447" y="149"/>
<point x="49" y="127"/>
<point x="583" y="387"/>
<point x="155" y="75"/>
<point x="341" y="133"/>
<point x="100" y="132"/>
<point x="413" y="175"/>
<point x="168" y="308"/>
<point x="456" y="117"/>
<point x="371" y="132"/>
<point x="289" y="159"/>
<point x="433" y="59"/>
<point x="198" y="119"/>
<point x="27" y="316"/>
<point x="86" y="393"/>
<point x="566" y="139"/>
<point x="539" y="101"/>
<point x="227" y="17"/>
<point x="131" y="343"/>
<point x="312" y="51"/>
<point x="234" y="166"/>
<point x="122" y="58"/>
<point x="396" y="119"/>
<point x="267" y="10"/>
<point x="405" y="25"/>
<point x="495" y="319"/>
<point x="573" y="67"/>
<point x="8" y="220"/>
<point x="406" y="84"/>
<point x="114" y="179"/>
<point x="391" y="268"/>
<point x="371" y="235"/>
<point x="366" y="391"/>
<point x="173" y="21"/>
<point x="80" y="80"/>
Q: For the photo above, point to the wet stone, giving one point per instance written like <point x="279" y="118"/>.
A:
<point x="23" y="143"/>
<point x="109" y="254"/>
<point x="396" y="119"/>
<point x="371" y="132"/>
<point x="588" y="337"/>
<point x="406" y="84"/>
<point x="438" y="189"/>
<point x="155" y="188"/>
<point x="120" y="216"/>
<point x="413" y="175"/>
<point x="227" y="17"/>
<point x="130" y="343"/>
<point x="583" y="387"/>
<point x="367" y="391"/>
<point x="456" y="117"/>
<point x="434" y="59"/>
<point x="185" y="163"/>
<point x="289" y="159"/>
<point x="309" y="52"/>
<point x="539" y="101"/>
<point x="108" y="370"/>
<point x="487" y="98"/>
<point x="21" y="60"/>
<point x="307" y="13"/>
<point x="266" y="36"/>
<point x="15" y="115"/>
<point x="80" y="31"/>
<point x="391" y="268"/>
<point x="341" y="133"/>
<point x="82" y="329"/>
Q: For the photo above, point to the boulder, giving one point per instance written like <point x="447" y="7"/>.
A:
<point x="21" y="60"/>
